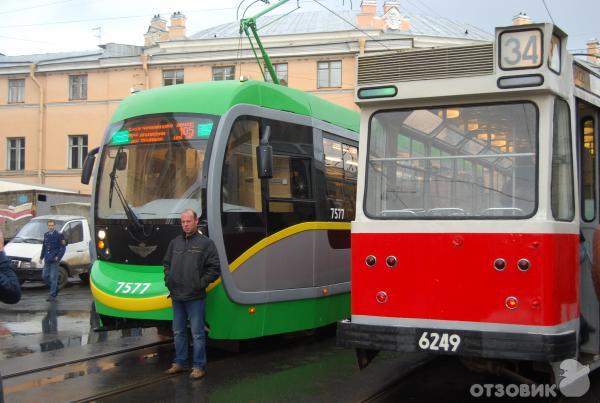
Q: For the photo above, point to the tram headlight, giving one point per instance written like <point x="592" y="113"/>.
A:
<point x="391" y="261"/>
<point x="370" y="261"/>
<point x="101" y="244"/>
<point x="101" y="234"/>
<point x="511" y="302"/>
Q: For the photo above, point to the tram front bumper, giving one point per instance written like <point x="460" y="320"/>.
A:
<point x="474" y="343"/>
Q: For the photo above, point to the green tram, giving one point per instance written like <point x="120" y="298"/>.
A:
<point x="272" y="173"/>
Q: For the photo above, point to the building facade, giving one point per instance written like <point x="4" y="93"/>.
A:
<point x="55" y="107"/>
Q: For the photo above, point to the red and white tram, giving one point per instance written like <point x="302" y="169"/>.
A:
<point x="478" y="173"/>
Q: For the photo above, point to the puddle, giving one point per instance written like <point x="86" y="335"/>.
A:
<point x="23" y="333"/>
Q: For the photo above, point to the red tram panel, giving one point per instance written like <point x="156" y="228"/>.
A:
<point x="444" y="276"/>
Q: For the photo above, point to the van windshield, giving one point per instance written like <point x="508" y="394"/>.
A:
<point x="34" y="230"/>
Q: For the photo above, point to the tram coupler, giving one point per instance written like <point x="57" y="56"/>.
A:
<point x="365" y="356"/>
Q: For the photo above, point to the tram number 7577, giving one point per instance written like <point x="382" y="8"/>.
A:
<point x="132" y="288"/>
<point x="431" y="341"/>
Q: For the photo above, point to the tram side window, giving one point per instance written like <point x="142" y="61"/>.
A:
<point x="588" y="172"/>
<point x="291" y="186"/>
<point x="341" y="165"/>
<point x="241" y="185"/>
<point x="562" y="197"/>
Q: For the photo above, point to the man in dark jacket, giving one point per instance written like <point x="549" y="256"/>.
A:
<point x="10" y="291"/>
<point x="53" y="249"/>
<point x="191" y="264"/>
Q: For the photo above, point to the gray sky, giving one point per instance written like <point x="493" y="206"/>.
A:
<point x="43" y="26"/>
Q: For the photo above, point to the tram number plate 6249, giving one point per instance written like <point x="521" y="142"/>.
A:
<point x="432" y="341"/>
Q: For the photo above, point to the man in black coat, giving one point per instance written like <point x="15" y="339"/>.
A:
<point x="191" y="264"/>
<point x="53" y="249"/>
<point x="10" y="291"/>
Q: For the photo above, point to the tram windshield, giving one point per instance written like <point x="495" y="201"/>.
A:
<point x="152" y="167"/>
<point x="453" y="162"/>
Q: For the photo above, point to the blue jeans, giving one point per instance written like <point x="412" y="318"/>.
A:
<point x="194" y="311"/>
<point x="50" y="276"/>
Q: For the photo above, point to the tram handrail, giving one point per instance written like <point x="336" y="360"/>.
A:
<point x="451" y="157"/>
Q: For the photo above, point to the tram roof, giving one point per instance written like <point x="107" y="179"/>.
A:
<point x="216" y="97"/>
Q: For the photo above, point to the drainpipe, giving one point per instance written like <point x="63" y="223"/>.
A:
<point x="145" y="58"/>
<point x="40" y="174"/>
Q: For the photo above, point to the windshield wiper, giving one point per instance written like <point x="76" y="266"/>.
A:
<point x="133" y="219"/>
<point x="113" y="177"/>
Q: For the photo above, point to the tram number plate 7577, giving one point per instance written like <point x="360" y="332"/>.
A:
<point x="432" y="341"/>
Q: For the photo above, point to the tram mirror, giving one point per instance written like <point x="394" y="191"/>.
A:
<point x="264" y="155"/>
<point x="88" y="166"/>
<point x="121" y="161"/>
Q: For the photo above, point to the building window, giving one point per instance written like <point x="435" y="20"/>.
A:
<point x="78" y="149"/>
<point x="281" y="69"/>
<point x="78" y="87"/>
<point x="223" y="73"/>
<point x="16" y="91"/>
<point x="172" y="77"/>
<point x="15" y="160"/>
<point x="329" y="74"/>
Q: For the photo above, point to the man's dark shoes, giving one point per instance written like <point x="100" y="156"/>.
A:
<point x="51" y="299"/>
<point x="175" y="369"/>
<point x="197" y="373"/>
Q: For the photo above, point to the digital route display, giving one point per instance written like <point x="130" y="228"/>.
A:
<point x="163" y="132"/>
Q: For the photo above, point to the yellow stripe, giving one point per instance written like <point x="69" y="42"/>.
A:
<point x="284" y="233"/>
<point x="130" y="304"/>
<point x="162" y="302"/>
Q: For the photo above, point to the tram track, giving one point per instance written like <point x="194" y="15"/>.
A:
<point x="84" y="359"/>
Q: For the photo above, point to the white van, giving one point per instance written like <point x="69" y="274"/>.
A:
<point x="25" y="248"/>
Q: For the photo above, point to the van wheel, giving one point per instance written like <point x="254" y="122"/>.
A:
<point x="85" y="278"/>
<point x="63" y="277"/>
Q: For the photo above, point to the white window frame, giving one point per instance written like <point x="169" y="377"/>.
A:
<point x="78" y="87"/>
<point x="282" y="74"/>
<point x="19" y="147"/>
<point x="81" y="147"/>
<point x="220" y="73"/>
<point x="16" y="93"/>
<point x="173" y="77"/>
<point x="327" y="67"/>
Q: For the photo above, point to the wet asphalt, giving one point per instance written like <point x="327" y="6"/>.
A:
<point x="37" y="338"/>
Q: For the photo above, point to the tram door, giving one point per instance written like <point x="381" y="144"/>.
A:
<point x="254" y="209"/>
<point x="587" y="145"/>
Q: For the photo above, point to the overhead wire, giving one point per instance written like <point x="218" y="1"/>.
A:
<point x="16" y="10"/>
<point x="548" y="10"/>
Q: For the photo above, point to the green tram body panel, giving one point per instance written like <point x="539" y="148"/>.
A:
<point x="227" y="320"/>
<point x="217" y="97"/>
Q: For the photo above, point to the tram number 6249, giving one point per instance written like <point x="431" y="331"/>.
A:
<point x="439" y="342"/>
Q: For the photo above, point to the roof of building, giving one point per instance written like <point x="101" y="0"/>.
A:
<point x="324" y="21"/>
<point x="8" y="186"/>
<point x="269" y="25"/>
<point x="105" y="51"/>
